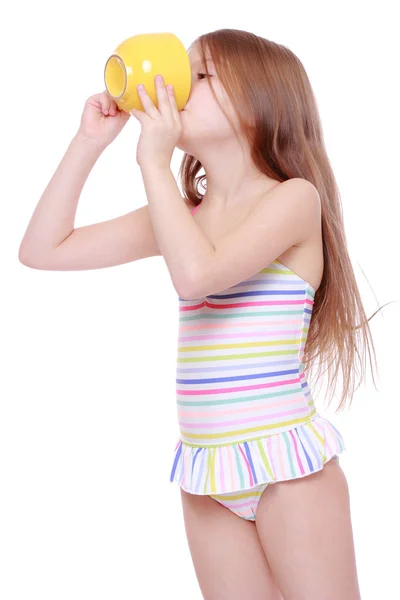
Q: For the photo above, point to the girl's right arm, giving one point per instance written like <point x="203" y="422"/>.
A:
<point x="50" y="241"/>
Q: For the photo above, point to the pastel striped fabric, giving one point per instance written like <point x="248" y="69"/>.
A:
<point x="246" y="414"/>
<point x="245" y="502"/>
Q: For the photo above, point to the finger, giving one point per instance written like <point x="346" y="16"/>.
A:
<point x="172" y="101"/>
<point x="164" y="105"/>
<point x="113" y="107"/>
<point x="105" y="103"/>
<point x="147" y="102"/>
<point x="138" y="114"/>
<point x="108" y="98"/>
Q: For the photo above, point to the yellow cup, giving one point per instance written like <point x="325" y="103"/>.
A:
<point x="138" y="59"/>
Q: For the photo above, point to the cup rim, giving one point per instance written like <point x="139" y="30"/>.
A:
<point x="120" y="60"/>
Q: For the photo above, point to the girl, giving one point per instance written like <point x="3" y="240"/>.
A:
<point x="265" y="287"/>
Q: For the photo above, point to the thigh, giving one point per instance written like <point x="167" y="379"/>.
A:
<point x="227" y="556"/>
<point x="305" y="529"/>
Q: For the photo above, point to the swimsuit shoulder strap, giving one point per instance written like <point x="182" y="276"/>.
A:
<point x="195" y="208"/>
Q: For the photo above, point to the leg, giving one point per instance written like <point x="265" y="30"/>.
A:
<point x="305" y="529"/>
<point x="228" y="559"/>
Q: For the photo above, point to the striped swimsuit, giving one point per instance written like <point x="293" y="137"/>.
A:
<point x="246" y="414"/>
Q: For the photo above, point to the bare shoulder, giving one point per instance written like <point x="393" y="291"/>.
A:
<point x="299" y="196"/>
<point x="293" y="196"/>
<point x="299" y="186"/>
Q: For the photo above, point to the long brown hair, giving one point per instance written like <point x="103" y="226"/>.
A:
<point x="278" y="116"/>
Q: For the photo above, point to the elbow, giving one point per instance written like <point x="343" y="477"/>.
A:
<point x="23" y="254"/>
<point x="27" y="260"/>
<point x="22" y="257"/>
<point x="189" y="288"/>
<point x="186" y="293"/>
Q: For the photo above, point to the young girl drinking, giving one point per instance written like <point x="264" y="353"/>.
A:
<point x="266" y="287"/>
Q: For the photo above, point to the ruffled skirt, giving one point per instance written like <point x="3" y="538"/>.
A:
<point x="286" y="455"/>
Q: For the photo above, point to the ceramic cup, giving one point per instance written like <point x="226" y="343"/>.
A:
<point x="138" y="59"/>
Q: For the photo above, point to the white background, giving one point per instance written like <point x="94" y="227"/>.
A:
<point x="88" y="421"/>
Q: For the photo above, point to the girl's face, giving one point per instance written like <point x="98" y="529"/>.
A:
<point x="203" y="122"/>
